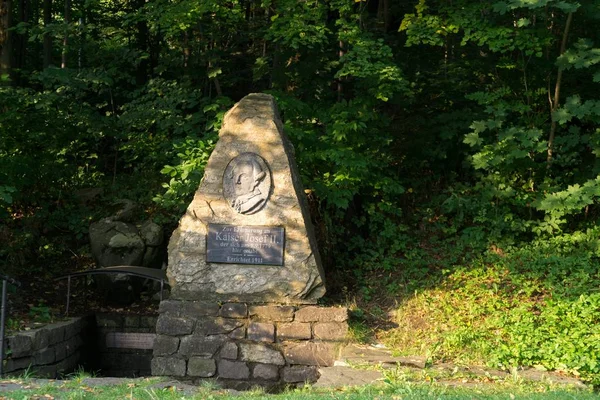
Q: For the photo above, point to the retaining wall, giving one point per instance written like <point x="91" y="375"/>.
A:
<point x="50" y="351"/>
<point x="244" y="344"/>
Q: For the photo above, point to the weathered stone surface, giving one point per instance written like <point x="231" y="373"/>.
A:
<point x="266" y="372"/>
<point x="170" y="366"/>
<point x="152" y="233"/>
<point x="165" y="345"/>
<point x="13" y="364"/>
<point x="201" y="367"/>
<point x="272" y="313"/>
<point x="215" y="326"/>
<point x="238" y="333"/>
<point x="60" y="351"/>
<point x="298" y="373"/>
<point x="260" y="353"/>
<point x="56" y="333"/>
<point x="44" y="356"/>
<point x="198" y="345"/>
<point x="251" y="126"/>
<point x="321" y="314"/>
<point x="293" y="331"/>
<point x="153" y="237"/>
<point x="261" y="332"/>
<point x="234" y="310"/>
<point x="20" y="345"/>
<point x="330" y="331"/>
<point x="169" y="325"/>
<point x="116" y="243"/>
<point x="229" y="351"/>
<point x="233" y="370"/>
<point x="193" y="308"/>
<point x="308" y="353"/>
<point x="72" y="345"/>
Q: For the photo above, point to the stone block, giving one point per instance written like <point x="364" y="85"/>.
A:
<point x="261" y="332"/>
<point x="266" y="372"/>
<point x="56" y="333"/>
<point x="229" y="351"/>
<point x="197" y="345"/>
<point x="173" y="326"/>
<point x="20" y="345"/>
<point x="260" y="353"/>
<point x="215" y="326"/>
<point x="233" y="370"/>
<point x="330" y="331"/>
<point x="13" y="364"/>
<point x="165" y="345"/>
<point x="148" y="321"/>
<point x="44" y="356"/>
<point x="168" y="366"/>
<point x="321" y="314"/>
<point x="41" y="338"/>
<point x="293" y="331"/>
<point x="308" y="353"/>
<point x="71" y="345"/>
<point x="109" y="321"/>
<point x="45" y="371"/>
<point x="234" y="310"/>
<point x="272" y="313"/>
<point x="238" y="333"/>
<point x="131" y="321"/>
<point x="300" y="373"/>
<point x="201" y="367"/>
<point x="60" y="351"/>
<point x="191" y="308"/>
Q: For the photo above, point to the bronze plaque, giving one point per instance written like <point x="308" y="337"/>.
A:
<point x="234" y="244"/>
<point x="121" y="340"/>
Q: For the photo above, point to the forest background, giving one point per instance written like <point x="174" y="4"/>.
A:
<point x="450" y="150"/>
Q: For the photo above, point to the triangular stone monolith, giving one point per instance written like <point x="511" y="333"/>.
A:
<point x="247" y="235"/>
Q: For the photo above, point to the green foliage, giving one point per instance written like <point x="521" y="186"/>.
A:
<point x="531" y="305"/>
<point x="40" y="313"/>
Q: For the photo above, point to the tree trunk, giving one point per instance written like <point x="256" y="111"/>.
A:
<point x="555" y="101"/>
<point x="20" y="40"/>
<point x="5" y="39"/>
<point x="340" y="85"/>
<point x="63" y="62"/>
<point x="142" y="38"/>
<point x="47" y="37"/>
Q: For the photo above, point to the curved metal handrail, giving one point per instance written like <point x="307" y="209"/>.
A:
<point x="141" y="272"/>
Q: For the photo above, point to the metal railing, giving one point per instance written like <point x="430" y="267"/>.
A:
<point x="5" y="281"/>
<point x="141" y="272"/>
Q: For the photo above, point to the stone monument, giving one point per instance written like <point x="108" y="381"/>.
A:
<point x="247" y="235"/>
<point x="244" y="267"/>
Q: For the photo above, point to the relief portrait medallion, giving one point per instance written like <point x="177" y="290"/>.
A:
<point x="247" y="183"/>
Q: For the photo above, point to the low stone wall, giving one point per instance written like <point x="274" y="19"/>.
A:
<point x="124" y="344"/>
<point x="51" y="351"/>
<point x="245" y="344"/>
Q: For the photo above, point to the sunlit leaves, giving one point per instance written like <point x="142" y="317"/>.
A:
<point x="581" y="55"/>
<point x="576" y="108"/>
<point x="571" y="200"/>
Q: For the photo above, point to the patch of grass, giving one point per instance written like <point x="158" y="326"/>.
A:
<point x="536" y="306"/>
<point x="394" y="387"/>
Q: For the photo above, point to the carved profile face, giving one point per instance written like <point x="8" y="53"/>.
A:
<point x="247" y="175"/>
<point x="247" y="183"/>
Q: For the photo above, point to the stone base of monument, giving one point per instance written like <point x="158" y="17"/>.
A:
<point x="243" y="345"/>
